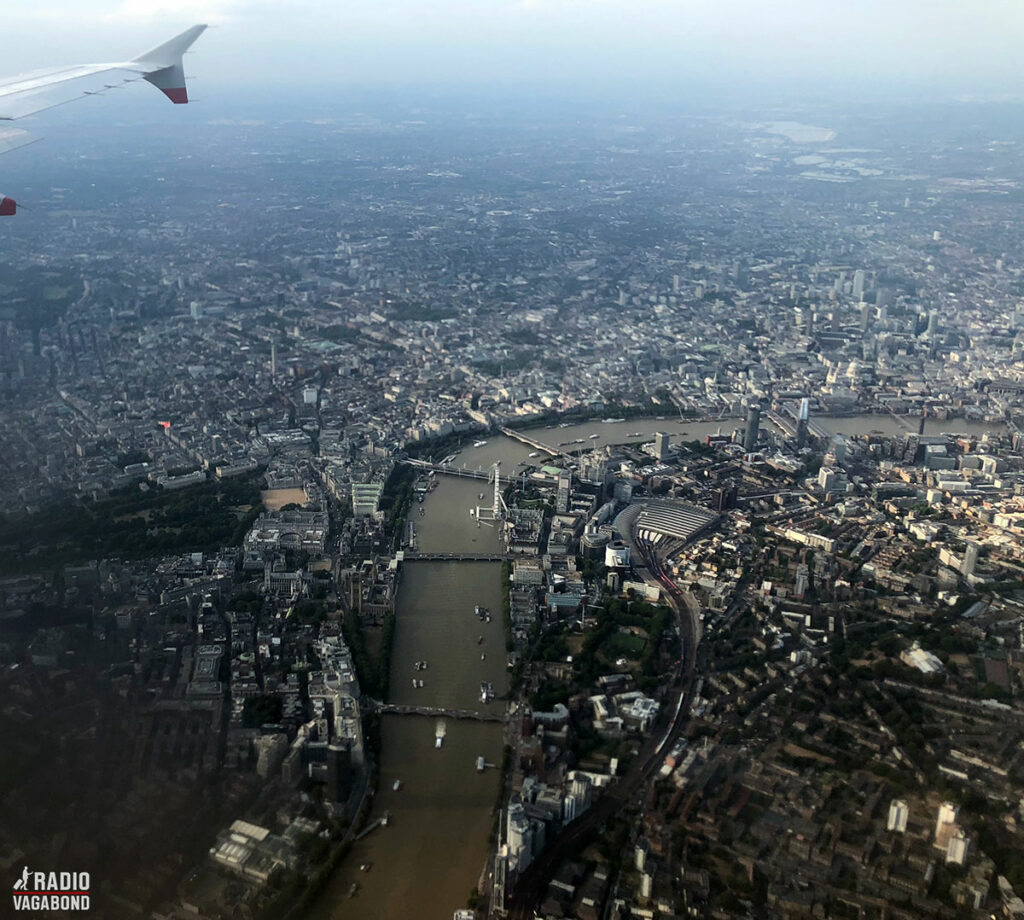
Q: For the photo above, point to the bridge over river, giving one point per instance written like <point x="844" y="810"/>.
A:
<point x="453" y="557"/>
<point x="446" y="469"/>
<point x="524" y="438"/>
<point x="434" y="711"/>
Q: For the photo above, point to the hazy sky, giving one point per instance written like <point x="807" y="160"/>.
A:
<point x="964" y="45"/>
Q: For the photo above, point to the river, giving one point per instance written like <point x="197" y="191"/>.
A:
<point x="429" y="858"/>
<point x="576" y="437"/>
<point x="585" y="436"/>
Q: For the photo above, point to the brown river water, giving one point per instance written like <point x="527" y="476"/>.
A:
<point x="427" y="860"/>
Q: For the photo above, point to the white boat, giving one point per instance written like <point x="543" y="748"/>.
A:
<point x="479" y="443"/>
<point x="480" y="764"/>
<point x="397" y="785"/>
<point x="482" y="656"/>
<point x="440" y="730"/>
<point x="414" y="683"/>
<point x="594" y="436"/>
<point x="535" y="453"/>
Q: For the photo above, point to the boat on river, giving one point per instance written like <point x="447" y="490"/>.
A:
<point x="440" y="730"/>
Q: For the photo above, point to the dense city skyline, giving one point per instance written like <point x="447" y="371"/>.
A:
<point x="493" y="505"/>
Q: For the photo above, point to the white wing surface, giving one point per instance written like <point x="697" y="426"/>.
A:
<point x="29" y="93"/>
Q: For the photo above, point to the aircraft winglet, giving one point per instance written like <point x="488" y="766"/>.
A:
<point x="163" y="66"/>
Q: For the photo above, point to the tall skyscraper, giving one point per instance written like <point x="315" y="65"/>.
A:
<point x="858" y="284"/>
<point x="970" y="559"/>
<point x="803" y="579"/>
<point x="724" y="499"/>
<point x="564" y="491"/>
<point x="661" y="444"/>
<point x="753" y="428"/>
<point x="802" y="421"/>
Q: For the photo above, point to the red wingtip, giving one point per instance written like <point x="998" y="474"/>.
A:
<point x="8" y="207"/>
<point x="178" y="95"/>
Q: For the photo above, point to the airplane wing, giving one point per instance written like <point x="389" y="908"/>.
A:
<point x="34" y="92"/>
